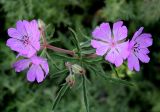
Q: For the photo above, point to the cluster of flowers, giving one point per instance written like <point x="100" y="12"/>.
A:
<point x="115" y="48"/>
<point x="25" y="39"/>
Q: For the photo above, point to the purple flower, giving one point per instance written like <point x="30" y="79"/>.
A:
<point x="138" y="49"/>
<point x="25" y="38"/>
<point x="111" y="44"/>
<point x="38" y="68"/>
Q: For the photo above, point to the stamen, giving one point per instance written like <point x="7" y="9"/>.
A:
<point x="25" y="40"/>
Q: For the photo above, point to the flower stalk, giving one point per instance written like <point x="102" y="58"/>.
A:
<point x="51" y="47"/>
<point x="57" y="49"/>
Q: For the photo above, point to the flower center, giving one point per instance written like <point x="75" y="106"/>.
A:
<point x="136" y="47"/>
<point x="25" y="40"/>
<point x="113" y="44"/>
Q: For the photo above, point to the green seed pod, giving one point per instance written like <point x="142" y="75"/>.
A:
<point x="70" y="80"/>
<point x="76" y="69"/>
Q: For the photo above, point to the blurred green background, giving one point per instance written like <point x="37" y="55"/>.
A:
<point x="18" y="95"/>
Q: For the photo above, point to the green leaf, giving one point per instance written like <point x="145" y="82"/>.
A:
<point x="85" y="94"/>
<point x="117" y="80"/>
<point x="49" y="57"/>
<point x="62" y="91"/>
<point x="85" y="44"/>
<point x="92" y="60"/>
<point x="42" y="53"/>
<point x="108" y="78"/>
<point x="51" y="35"/>
<point x="59" y="73"/>
<point x="53" y="41"/>
<point x="90" y="51"/>
<point x="76" y="41"/>
<point x="114" y="70"/>
<point x="85" y="36"/>
<point x="64" y="57"/>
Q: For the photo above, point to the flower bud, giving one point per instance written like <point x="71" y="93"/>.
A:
<point x="68" y="65"/>
<point x="70" y="80"/>
<point x="41" y="24"/>
<point x="76" y="69"/>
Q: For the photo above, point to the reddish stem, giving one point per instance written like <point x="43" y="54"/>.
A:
<point x="91" y="55"/>
<point x="43" y="37"/>
<point x="57" y="49"/>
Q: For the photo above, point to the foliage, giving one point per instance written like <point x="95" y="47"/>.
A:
<point x="101" y="90"/>
<point x="139" y="10"/>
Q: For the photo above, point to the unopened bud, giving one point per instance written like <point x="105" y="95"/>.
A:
<point x="41" y="24"/>
<point x="68" y="65"/>
<point x="70" y="80"/>
<point x="76" y="69"/>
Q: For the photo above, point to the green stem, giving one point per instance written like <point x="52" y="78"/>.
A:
<point x="60" y="95"/>
<point x="49" y="57"/>
<point x="85" y="94"/>
<point x="113" y="69"/>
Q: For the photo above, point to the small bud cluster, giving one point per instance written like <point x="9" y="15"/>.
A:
<point x="74" y="69"/>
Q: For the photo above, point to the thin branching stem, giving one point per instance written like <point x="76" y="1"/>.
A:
<point x="56" y="49"/>
<point x="60" y="50"/>
<point x="114" y="70"/>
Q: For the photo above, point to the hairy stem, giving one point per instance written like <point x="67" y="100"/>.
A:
<point x="57" y="49"/>
<point x="43" y="36"/>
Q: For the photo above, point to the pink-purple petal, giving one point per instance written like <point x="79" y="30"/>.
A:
<point x="31" y="51"/>
<point x="16" y="45"/>
<point x="116" y="26"/>
<point x="137" y="33"/>
<point x="21" y="28"/>
<point x="130" y="62"/>
<point x="31" y="74"/>
<point x="12" y="32"/>
<point x="102" y="50"/>
<point x="39" y="74"/>
<point x="143" y="57"/>
<point x="137" y="65"/>
<point x="101" y="47"/>
<point x="144" y="40"/>
<point x="111" y="56"/>
<point x="103" y="32"/>
<point x="40" y="62"/>
<point x="36" y="45"/>
<point x="119" y="31"/>
<point x="45" y="66"/>
<point x="27" y="28"/>
<point x="21" y="65"/>
<point x="118" y="61"/>
<point x="123" y="49"/>
<point x="114" y="57"/>
<point x="144" y="50"/>
<point x="97" y="44"/>
<point x="133" y="62"/>
<point x="35" y="31"/>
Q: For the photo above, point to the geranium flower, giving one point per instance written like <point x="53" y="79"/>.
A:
<point x="38" y="68"/>
<point x="138" y="49"/>
<point x="25" y="38"/>
<point x="111" y="44"/>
